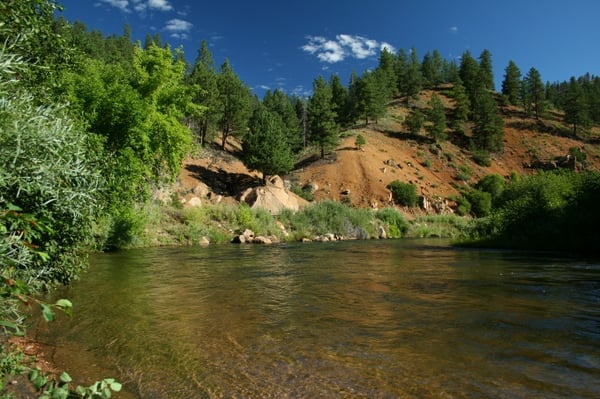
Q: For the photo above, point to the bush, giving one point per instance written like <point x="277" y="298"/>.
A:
<point x="493" y="184"/>
<point x="404" y="193"/>
<point x="482" y="158"/>
<point x="397" y="225"/>
<point x="481" y="202"/>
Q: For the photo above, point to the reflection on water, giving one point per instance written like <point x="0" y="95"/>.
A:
<point x="377" y="319"/>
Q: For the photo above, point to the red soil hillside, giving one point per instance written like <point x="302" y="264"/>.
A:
<point x="360" y="177"/>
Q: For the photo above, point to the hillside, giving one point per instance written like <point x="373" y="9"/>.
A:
<point x="359" y="177"/>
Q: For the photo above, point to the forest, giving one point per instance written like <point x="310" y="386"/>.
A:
<point x="90" y="124"/>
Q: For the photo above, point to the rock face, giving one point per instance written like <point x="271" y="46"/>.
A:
<point x="273" y="197"/>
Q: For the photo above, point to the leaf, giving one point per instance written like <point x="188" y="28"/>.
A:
<point x="115" y="386"/>
<point x="80" y="390"/>
<point x="65" y="305"/>
<point x="9" y="324"/>
<point x="65" y="377"/>
<point x="48" y="313"/>
<point x="13" y="207"/>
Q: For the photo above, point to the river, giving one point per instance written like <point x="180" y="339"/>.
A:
<point x="364" y="319"/>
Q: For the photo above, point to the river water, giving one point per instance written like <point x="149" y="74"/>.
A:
<point x="364" y="319"/>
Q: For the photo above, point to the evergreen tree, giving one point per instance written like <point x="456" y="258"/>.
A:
<point x="341" y="104"/>
<point x="414" y="122"/>
<point x="413" y="79"/>
<point x="321" y="117"/>
<point x="234" y="104"/>
<point x="203" y="78"/>
<point x="266" y="146"/>
<point x="534" y="92"/>
<point x="469" y="72"/>
<point x="488" y="133"/>
<point x="576" y="109"/>
<point x="511" y="83"/>
<point x="370" y="97"/>
<point x="400" y="67"/>
<point x="432" y="68"/>
<point x="462" y="106"/>
<point x="486" y="70"/>
<point x="279" y="103"/>
<point x="436" y="115"/>
<point x="386" y="73"/>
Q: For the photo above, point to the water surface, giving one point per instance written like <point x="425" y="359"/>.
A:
<point x="365" y="319"/>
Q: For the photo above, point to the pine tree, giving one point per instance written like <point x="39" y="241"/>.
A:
<point x="462" y="106"/>
<point x="486" y="70"/>
<point x="279" y="103"/>
<point x="414" y="122"/>
<point x="234" y="103"/>
<point x="323" y="129"/>
<point x="534" y="91"/>
<point x="575" y="107"/>
<point x="387" y="74"/>
<point x="469" y="72"/>
<point x="413" y="79"/>
<point x="488" y="133"/>
<point x="511" y="83"/>
<point x="266" y="147"/>
<point x="369" y="96"/>
<point x="340" y="99"/>
<point x="436" y="115"/>
<point x="206" y="93"/>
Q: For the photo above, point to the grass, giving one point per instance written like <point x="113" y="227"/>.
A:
<point x="165" y="225"/>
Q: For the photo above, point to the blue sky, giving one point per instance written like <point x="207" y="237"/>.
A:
<point x="287" y="44"/>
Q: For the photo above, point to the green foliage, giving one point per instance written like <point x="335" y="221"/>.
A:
<point x="49" y="187"/>
<point x="482" y="158"/>
<point x="437" y="118"/>
<point x="360" y="141"/>
<point x="554" y="211"/>
<point x="329" y="217"/>
<point x="61" y="388"/>
<point x="511" y="83"/>
<point x="481" y="202"/>
<point x="488" y="133"/>
<point x="493" y="184"/>
<point x="404" y="194"/>
<point x="414" y="122"/>
<point x="464" y="173"/>
<point x="463" y="206"/>
<point x="234" y="104"/>
<point x="266" y="147"/>
<point x="396" y="224"/>
<point x="280" y="104"/>
<point x="324" y="131"/>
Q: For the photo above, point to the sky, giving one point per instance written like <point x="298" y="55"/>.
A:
<point x="283" y="44"/>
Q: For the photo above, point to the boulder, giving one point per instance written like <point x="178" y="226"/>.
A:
<point x="201" y="190"/>
<point x="381" y="233"/>
<point x="262" y="240"/>
<point x="204" y="241"/>
<point x="239" y="239"/>
<point x="273" y="197"/>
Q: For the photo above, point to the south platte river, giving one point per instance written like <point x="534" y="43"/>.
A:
<point x="362" y="319"/>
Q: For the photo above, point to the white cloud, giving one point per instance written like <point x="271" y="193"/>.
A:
<point x="454" y="29"/>
<point x="122" y="5"/>
<point x="161" y="5"/>
<point x="344" y="45"/>
<point x="178" y="25"/>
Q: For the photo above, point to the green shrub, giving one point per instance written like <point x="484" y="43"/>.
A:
<point x="404" y="193"/>
<point x="481" y="202"/>
<point x="394" y="220"/>
<point x="493" y="184"/>
<point x="482" y="158"/>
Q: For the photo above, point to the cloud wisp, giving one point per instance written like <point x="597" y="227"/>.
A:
<point x="344" y="46"/>
<point x="138" y="6"/>
<point x="178" y="28"/>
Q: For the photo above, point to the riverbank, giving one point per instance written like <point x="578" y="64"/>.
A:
<point x="155" y="224"/>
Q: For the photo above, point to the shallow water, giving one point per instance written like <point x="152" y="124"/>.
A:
<point x="365" y="319"/>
